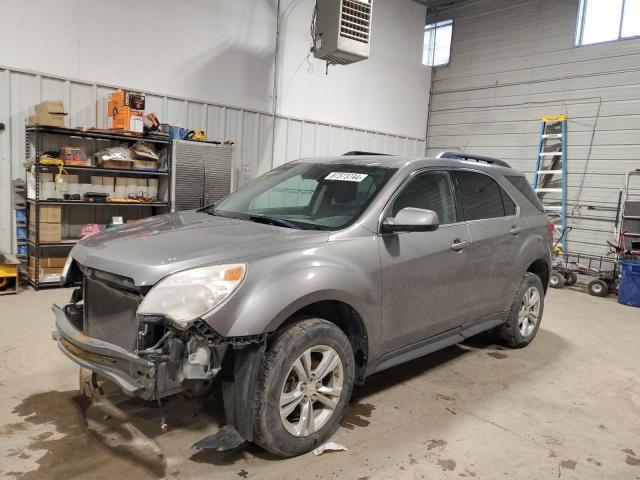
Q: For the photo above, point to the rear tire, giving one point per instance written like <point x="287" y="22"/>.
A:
<point x="571" y="279"/>
<point x="598" y="288"/>
<point x="525" y="314"/>
<point x="556" y="280"/>
<point x="90" y="384"/>
<point x="308" y="373"/>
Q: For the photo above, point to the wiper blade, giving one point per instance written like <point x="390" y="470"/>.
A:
<point x="272" y="221"/>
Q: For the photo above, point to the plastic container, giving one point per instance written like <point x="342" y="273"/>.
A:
<point x="629" y="286"/>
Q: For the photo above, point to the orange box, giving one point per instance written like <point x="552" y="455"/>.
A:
<point x="125" y="111"/>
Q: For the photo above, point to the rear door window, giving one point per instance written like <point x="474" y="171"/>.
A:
<point x="482" y="197"/>
<point x="525" y="188"/>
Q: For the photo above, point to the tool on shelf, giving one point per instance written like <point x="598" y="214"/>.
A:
<point x="550" y="177"/>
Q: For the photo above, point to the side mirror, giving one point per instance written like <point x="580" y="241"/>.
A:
<point x="412" y="220"/>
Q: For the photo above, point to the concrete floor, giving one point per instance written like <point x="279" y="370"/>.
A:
<point x="566" y="407"/>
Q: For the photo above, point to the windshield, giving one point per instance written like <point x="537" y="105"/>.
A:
<point x="306" y="195"/>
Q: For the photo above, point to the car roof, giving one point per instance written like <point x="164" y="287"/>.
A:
<point x="410" y="163"/>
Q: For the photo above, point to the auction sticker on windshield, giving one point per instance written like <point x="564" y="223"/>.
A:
<point x="346" y="176"/>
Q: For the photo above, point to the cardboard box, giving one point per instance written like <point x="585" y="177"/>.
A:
<point x="49" y="232"/>
<point x="139" y="164"/>
<point x="48" y="214"/>
<point x="125" y="118"/>
<point x="50" y="270"/>
<point x="45" y="275"/>
<point x="125" y="111"/>
<point x="49" y="119"/>
<point x="49" y="262"/>
<point x="50" y="106"/>
<point x="126" y="98"/>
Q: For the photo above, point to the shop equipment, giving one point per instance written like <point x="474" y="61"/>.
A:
<point x="9" y="273"/>
<point x="550" y="177"/>
<point x="341" y="31"/>
<point x="627" y="226"/>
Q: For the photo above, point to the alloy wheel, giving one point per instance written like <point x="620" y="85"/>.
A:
<point x="529" y="313"/>
<point x="311" y="390"/>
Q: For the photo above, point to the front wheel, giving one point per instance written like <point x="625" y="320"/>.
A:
<point x="556" y="280"/>
<point x="524" y="317"/>
<point x="304" y="387"/>
<point x="598" y="288"/>
<point x="90" y="384"/>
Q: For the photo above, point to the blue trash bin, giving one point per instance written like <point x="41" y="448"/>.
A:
<point x="629" y="286"/>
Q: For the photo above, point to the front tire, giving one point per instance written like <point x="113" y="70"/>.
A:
<point x="598" y="288"/>
<point x="304" y="387"/>
<point x="556" y="280"/>
<point x="90" y="384"/>
<point x="525" y="314"/>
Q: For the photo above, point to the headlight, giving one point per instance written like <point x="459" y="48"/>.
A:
<point x="185" y="296"/>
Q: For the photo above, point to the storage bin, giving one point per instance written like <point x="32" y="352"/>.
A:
<point x="629" y="286"/>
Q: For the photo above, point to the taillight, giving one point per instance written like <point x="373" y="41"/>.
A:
<point x="550" y="227"/>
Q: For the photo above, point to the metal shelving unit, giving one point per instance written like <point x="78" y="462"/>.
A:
<point x="33" y="137"/>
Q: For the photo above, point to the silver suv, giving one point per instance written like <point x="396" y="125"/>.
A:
<point x="303" y="283"/>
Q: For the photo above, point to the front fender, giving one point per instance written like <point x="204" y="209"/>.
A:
<point x="277" y="287"/>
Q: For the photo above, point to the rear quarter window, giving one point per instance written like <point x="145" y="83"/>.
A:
<point x="525" y="188"/>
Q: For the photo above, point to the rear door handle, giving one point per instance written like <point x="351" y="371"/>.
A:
<point x="458" y="244"/>
<point x="515" y="230"/>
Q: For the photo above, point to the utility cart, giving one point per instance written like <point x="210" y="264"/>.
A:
<point x="602" y="272"/>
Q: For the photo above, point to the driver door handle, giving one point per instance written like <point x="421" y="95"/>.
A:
<point x="515" y="230"/>
<point x="459" y="245"/>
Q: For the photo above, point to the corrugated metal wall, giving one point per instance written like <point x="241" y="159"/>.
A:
<point x="512" y="62"/>
<point x="252" y="131"/>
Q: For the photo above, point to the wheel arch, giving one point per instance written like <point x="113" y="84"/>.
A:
<point x="345" y="317"/>
<point x="540" y="267"/>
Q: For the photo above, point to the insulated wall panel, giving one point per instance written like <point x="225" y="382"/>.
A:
<point x="253" y="132"/>
<point x="513" y="62"/>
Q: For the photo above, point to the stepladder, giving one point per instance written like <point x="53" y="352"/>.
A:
<point x="550" y="176"/>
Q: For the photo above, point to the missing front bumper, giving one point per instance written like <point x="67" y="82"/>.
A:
<point x="134" y="375"/>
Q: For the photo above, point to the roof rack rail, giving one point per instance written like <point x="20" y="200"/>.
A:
<point x="471" y="156"/>
<point x="358" y="152"/>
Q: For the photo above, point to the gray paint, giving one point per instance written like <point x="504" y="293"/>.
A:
<point x="514" y="61"/>
<point x="405" y="286"/>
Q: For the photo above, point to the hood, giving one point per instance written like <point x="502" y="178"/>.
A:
<point x="149" y="250"/>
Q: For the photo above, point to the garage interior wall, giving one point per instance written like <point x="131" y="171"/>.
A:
<point x="214" y="65"/>
<point x="514" y="61"/>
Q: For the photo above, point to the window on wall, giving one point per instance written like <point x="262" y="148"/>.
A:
<point x="607" y="20"/>
<point x="437" y="43"/>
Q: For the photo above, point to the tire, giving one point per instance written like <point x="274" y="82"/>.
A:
<point x="598" y="288"/>
<point x="571" y="279"/>
<point x="556" y="280"/>
<point x="518" y="332"/>
<point x="90" y="384"/>
<point x="284" y="373"/>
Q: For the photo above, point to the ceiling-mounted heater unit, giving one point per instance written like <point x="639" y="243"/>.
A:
<point x="342" y="30"/>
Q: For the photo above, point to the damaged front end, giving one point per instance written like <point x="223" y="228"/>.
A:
<point x="147" y="355"/>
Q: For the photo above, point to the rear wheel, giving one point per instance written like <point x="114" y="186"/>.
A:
<point x="525" y="314"/>
<point x="556" y="280"/>
<point x="304" y="387"/>
<point x="90" y="384"/>
<point x="571" y="279"/>
<point x="598" y="288"/>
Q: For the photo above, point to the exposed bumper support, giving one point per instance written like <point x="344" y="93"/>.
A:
<point x="135" y="375"/>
